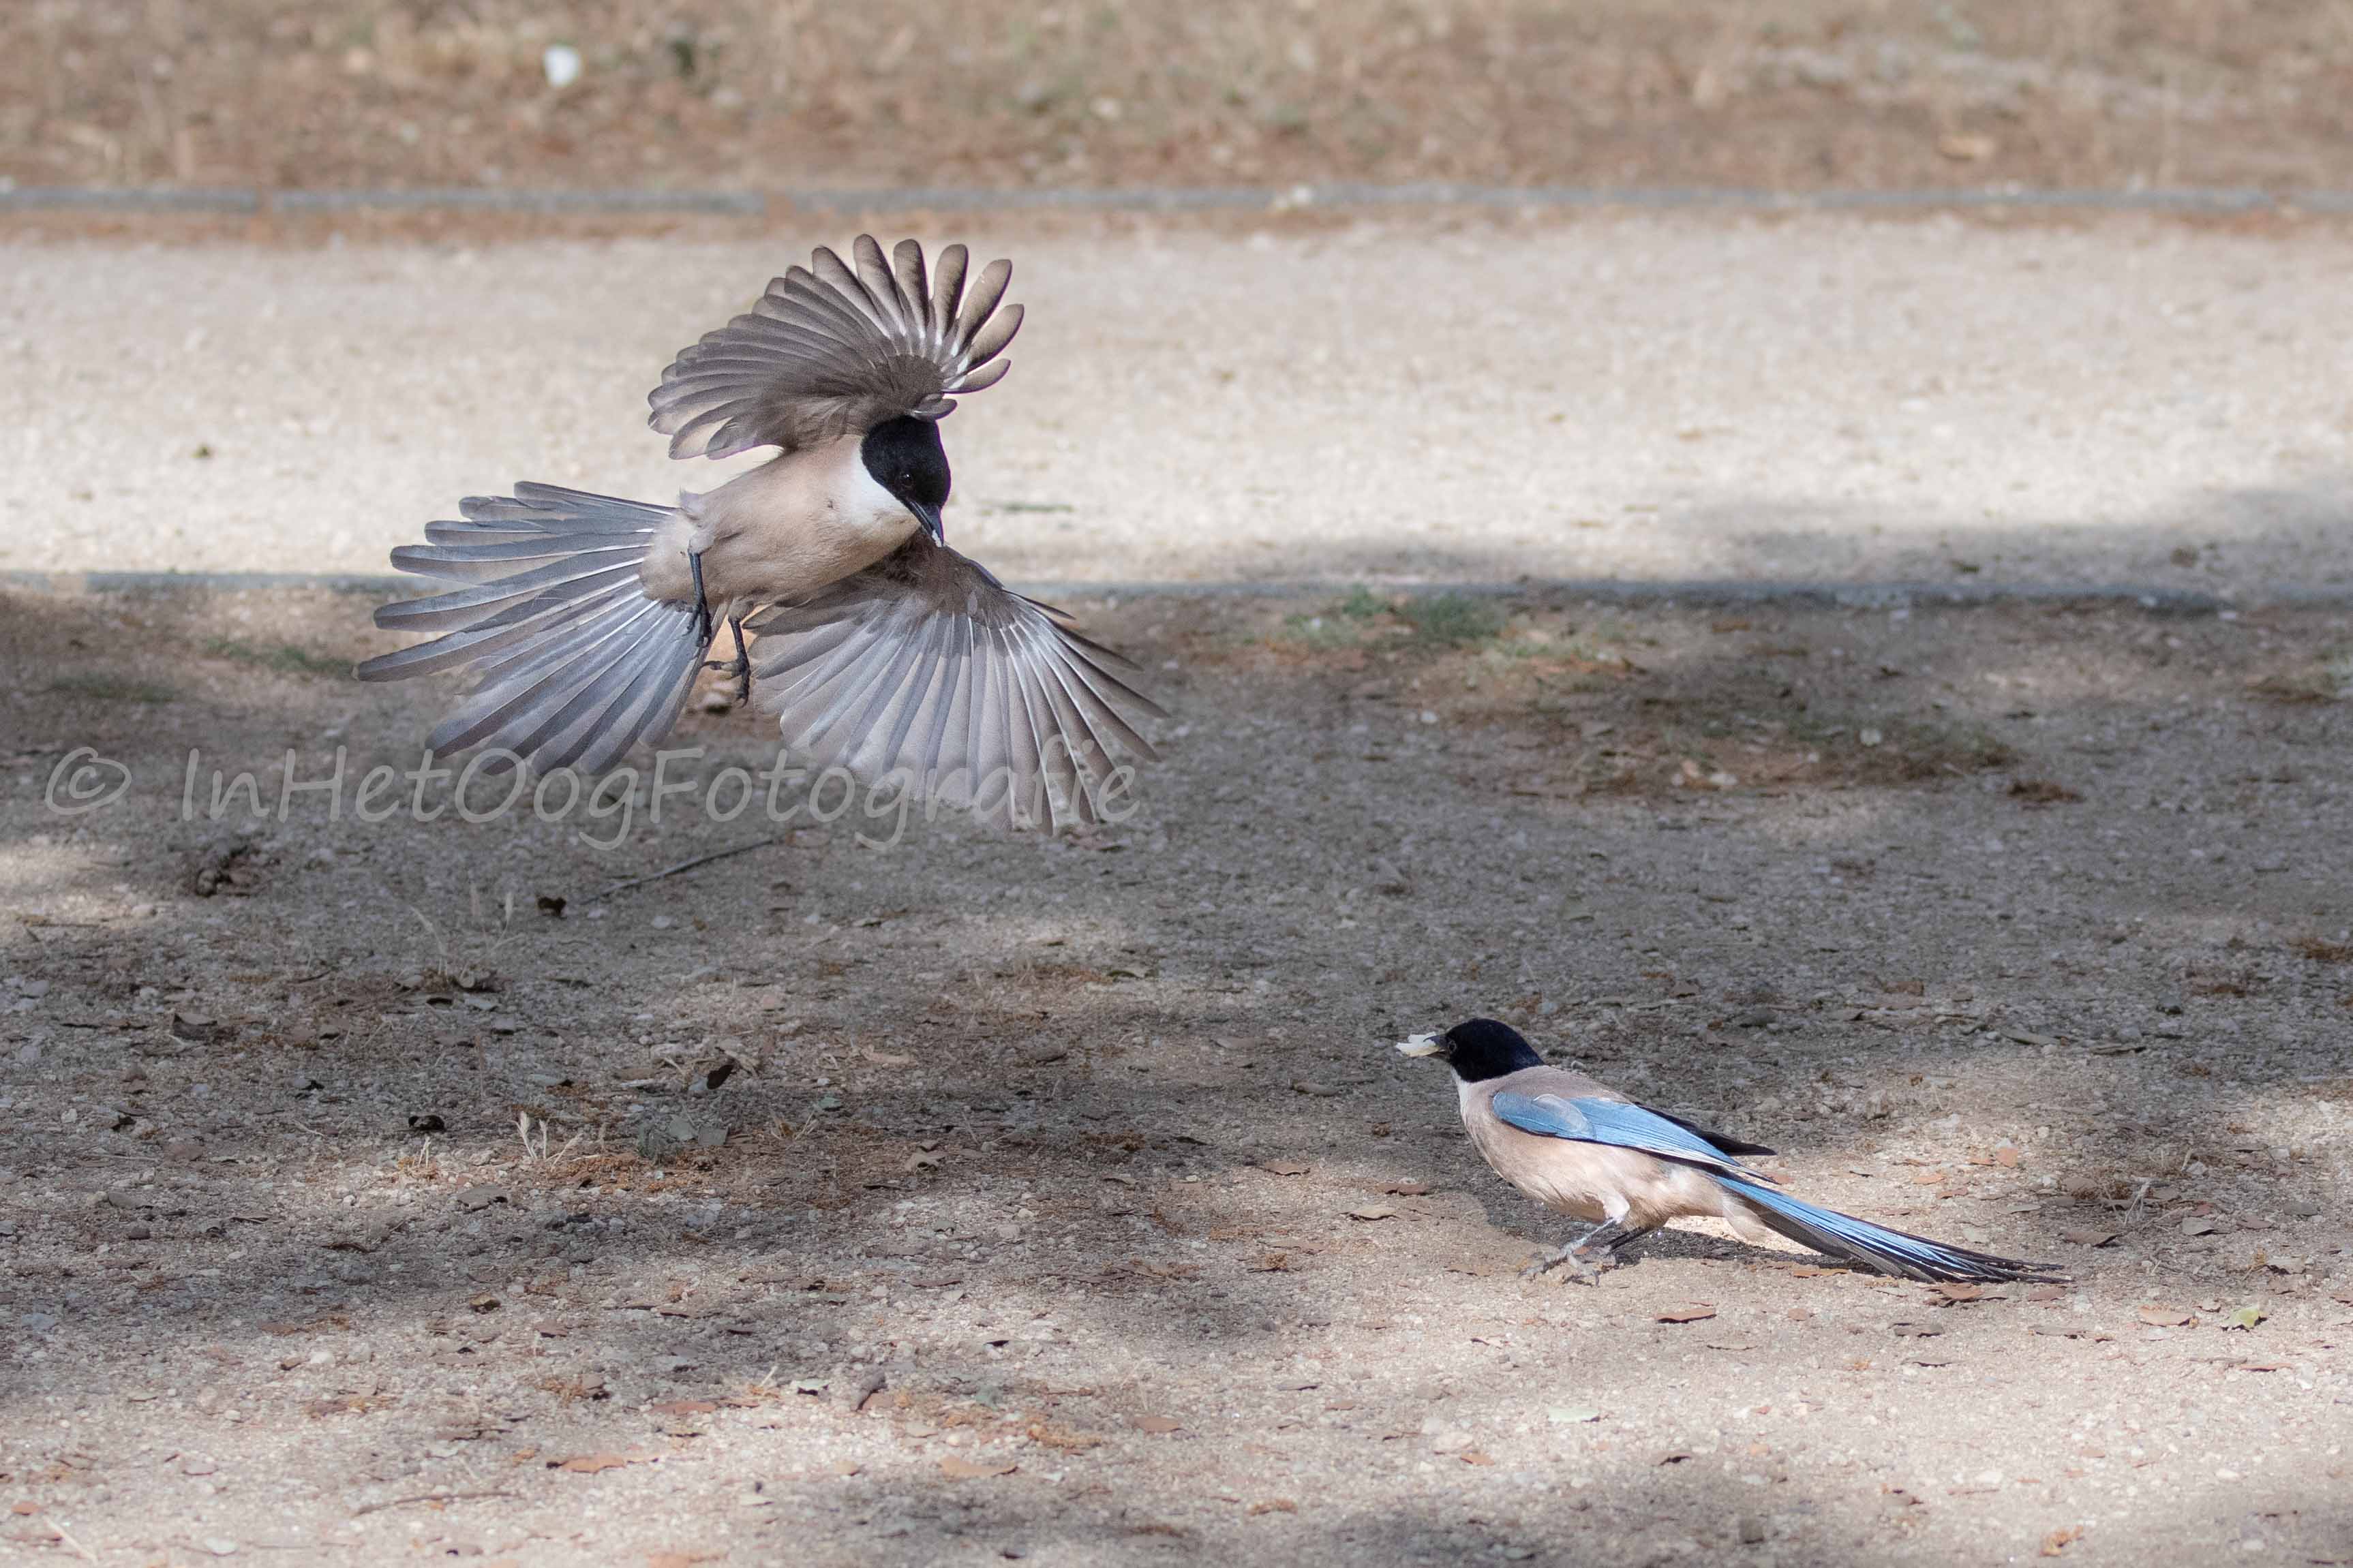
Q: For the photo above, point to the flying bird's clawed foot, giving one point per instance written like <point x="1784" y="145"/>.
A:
<point x="740" y="666"/>
<point x="739" y="671"/>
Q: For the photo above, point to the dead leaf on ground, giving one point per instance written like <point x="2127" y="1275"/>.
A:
<point x="1373" y="1211"/>
<point x="1916" y="1330"/>
<point x="1283" y="1167"/>
<point x="1686" y="1312"/>
<point x="1062" y="1438"/>
<point x="956" y="1468"/>
<point x="2089" y="1237"/>
<point x="1156" y="1425"/>
<point x="685" y="1407"/>
<point x="2163" y="1317"/>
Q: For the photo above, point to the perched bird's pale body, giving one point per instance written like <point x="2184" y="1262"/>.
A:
<point x="1593" y="1182"/>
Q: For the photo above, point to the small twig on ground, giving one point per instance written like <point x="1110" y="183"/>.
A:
<point x="426" y="1496"/>
<point x="688" y="865"/>
<point x="84" y="1552"/>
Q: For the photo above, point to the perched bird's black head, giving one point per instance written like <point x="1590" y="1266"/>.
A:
<point x="1479" y="1049"/>
<point x="906" y="458"/>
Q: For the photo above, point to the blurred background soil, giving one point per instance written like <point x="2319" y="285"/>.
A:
<point x="777" y="93"/>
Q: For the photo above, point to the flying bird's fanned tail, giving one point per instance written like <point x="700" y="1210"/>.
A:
<point x="1877" y="1248"/>
<point x="569" y="661"/>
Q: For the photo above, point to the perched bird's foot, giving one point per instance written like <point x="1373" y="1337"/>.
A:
<point x="1586" y="1267"/>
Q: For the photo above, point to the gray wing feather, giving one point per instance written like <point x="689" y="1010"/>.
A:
<point x="501" y="710"/>
<point x="832" y="348"/>
<point x="924" y="664"/>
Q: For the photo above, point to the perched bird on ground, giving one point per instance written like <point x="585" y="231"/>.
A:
<point x="1587" y="1151"/>
<point x="879" y="648"/>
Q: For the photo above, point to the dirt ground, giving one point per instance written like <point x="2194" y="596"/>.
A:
<point x="769" y="94"/>
<point x="372" y="1195"/>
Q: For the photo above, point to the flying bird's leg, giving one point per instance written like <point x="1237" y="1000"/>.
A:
<point x="701" y="601"/>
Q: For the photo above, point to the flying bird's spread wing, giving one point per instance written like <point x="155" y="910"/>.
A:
<point x="1614" y="1121"/>
<point x="829" y="350"/>
<point x="925" y="665"/>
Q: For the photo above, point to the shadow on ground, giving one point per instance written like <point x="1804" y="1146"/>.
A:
<point x="376" y="1189"/>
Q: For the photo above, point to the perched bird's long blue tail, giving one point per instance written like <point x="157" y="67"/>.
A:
<point x="1875" y="1246"/>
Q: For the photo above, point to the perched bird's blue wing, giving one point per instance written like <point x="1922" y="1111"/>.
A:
<point x="1615" y="1122"/>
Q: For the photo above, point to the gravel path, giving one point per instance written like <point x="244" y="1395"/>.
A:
<point x="1654" y="396"/>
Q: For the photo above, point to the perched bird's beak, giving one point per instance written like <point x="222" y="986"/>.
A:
<point x="1420" y="1046"/>
<point x="929" y="516"/>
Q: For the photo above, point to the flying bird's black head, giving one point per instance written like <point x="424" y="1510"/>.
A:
<point x="1479" y="1049"/>
<point x="906" y="458"/>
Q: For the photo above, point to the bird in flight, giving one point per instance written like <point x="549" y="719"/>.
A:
<point x="1586" y="1151"/>
<point x="585" y="619"/>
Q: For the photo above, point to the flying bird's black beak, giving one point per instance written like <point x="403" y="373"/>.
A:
<point x="929" y="516"/>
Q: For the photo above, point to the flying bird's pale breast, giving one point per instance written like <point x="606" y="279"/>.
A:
<point x="807" y="518"/>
